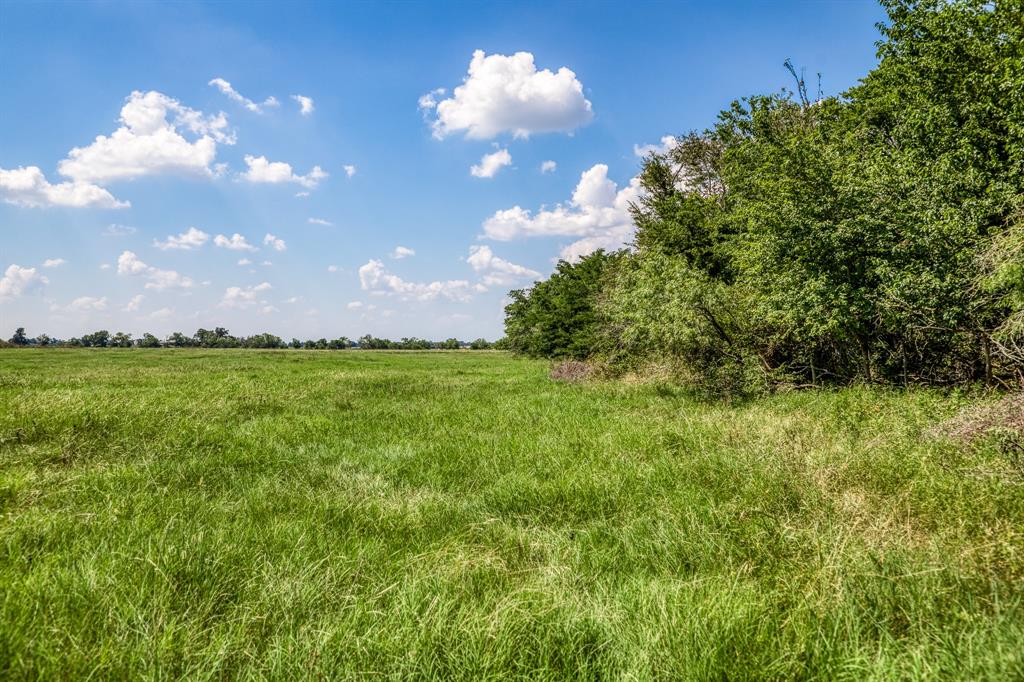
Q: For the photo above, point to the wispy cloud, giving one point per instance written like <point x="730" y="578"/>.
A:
<point x="226" y="88"/>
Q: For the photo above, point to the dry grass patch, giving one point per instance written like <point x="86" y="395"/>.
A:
<point x="573" y="371"/>
<point x="1002" y="417"/>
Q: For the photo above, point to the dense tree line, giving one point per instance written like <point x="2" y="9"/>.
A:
<point x="876" y="236"/>
<point x="557" y="317"/>
<point x="221" y="338"/>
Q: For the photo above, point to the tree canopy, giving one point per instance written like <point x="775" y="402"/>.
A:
<point x="220" y="337"/>
<point x="866" y="236"/>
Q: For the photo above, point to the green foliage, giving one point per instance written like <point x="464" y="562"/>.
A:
<point x="659" y="307"/>
<point x="264" y="340"/>
<point x="840" y="239"/>
<point x="121" y="340"/>
<point x="557" y="317"/>
<point x="1002" y="275"/>
<point x="100" y="339"/>
<point x="222" y="338"/>
<point x="680" y="212"/>
<point x="218" y="338"/>
<point x="148" y="341"/>
<point x="178" y="340"/>
<point x="370" y="342"/>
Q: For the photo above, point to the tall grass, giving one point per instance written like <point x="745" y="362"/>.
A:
<point x="191" y="514"/>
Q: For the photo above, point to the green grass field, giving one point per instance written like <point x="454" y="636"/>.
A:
<point x="249" y="514"/>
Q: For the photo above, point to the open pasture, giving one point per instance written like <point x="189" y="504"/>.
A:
<point x="457" y="515"/>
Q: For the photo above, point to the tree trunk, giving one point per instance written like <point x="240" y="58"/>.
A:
<point x="987" y="352"/>
<point x="866" y="354"/>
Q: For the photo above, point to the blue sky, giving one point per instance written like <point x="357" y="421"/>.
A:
<point x="134" y="231"/>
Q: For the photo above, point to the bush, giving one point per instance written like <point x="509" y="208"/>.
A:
<point x="855" y="238"/>
<point x="556" y="318"/>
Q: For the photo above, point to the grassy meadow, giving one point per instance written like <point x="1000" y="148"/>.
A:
<point x="458" y="515"/>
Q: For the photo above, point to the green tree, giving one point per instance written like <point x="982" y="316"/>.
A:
<point x="98" y="339"/>
<point x="369" y="342"/>
<point x="178" y="340"/>
<point x="556" y="317"/>
<point x="264" y="340"/>
<point x="148" y="341"/>
<point x="121" y="340"/>
<point x="828" y="240"/>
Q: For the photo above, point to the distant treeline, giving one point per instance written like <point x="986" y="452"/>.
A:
<point x="873" y="236"/>
<point x="221" y="338"/>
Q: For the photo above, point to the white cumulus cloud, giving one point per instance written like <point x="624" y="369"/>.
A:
<point x="548" y="167"/>
<point x="192" y="238"/>
<point x="507" y="94"/>
<point x="262" y="170"/>
<point x="244" y="297"/>
<point x="129" y="264"/>
<point x="133" y="304"/>
<point x="226" y="88"/>
<point x="374" y="277"/>
<point x="235" y="243"/>
<point x="497" y="271"/>
<point x="319" y="221"/>
<point x="305" y="104"/>
<point x="84" y="304"/>
<point x="428" y="101"/>
<point x="27" y="186"/>
<point x="18" y="281"/>
<point x="598" y="214"/>
<point x="667" y="143"/>
<point x="274" y="243"/>
<point x="151" y="140"/>
<point x="53" y="262"/>
<point x="402" y="252"/>
<point x="350" y="170"/>
<point x="490" y="164"/>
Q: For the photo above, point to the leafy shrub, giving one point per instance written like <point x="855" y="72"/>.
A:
<point x="827" y="241"/>
<point x="556" y="318"/>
